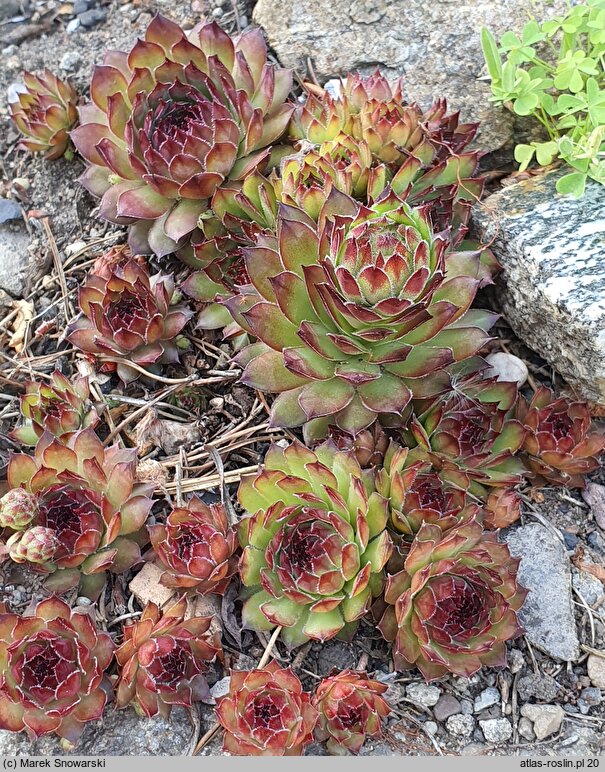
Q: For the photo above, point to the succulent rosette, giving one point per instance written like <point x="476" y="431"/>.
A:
<point x="171" y="121"/>
<point x="266" y="713"/>
<point x="502" y="508"/>
<point x="559" y="446"/>
<point x="44" y="111"/>
<point x="350" y="709"/>
<point x="163" y="660"/>
<point x="196" y="545"/>
<point x="52" y="665"/>
<point x="34" y="545"/>
<point x="314" y="546"/>
<point x="115" y="257"/>
<point x="369" y="446"/>
<point x="469" y="436"/>
<point x="356" y="316"/>
<point x="417" y="494"/>
<point x="18" y="508"/>
<point x="88" y="497"/>
<point x="129" y="317"/>
<point x="59" y="406"/>
<point x="454" y="606"/>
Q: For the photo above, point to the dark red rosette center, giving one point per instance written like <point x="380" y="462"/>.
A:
<point x="73" y="514"/>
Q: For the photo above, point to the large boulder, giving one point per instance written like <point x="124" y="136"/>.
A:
<point x="436" y="46"/>
<point x="552" y="287"/>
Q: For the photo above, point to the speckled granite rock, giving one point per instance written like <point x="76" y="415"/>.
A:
<point x="552" y="288"/>
<point x="434" y="45"/>
<point x="121" y="733"/>
<point x="547" y="613"/>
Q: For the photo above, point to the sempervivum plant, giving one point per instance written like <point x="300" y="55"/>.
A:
<point x="356" y="316"/>
<point x="266" y="713"/>
<point x="163" y="660"/>
<point x="88" y="497"/>
<point x="52" y="663"/>
<point x="18" y="508"/>
<point x="559" y="446"/>
<point x="416" y="493"/>
<point x="129" y="317"/>
<point x="314" y="546"/>
<point x="196" y="545"/>
<point x="44" y="112"/>
<point x="174" y="118"/>
<point x="502" y="508"/>
<point x="34" y="545"/>
<point x="470" y="437"/>
<point x="454" y="605"/>
<point x="350" y="709"/>
<point x="59" y="406"/>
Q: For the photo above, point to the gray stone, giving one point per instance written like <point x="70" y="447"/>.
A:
<point x="546" y="719"/>
<point x="515" y="660"/>
<point x="9" y="210"/>
<point x="431" y="727"/>
<point x="547" y="614"/>
<point x="80" y="6"/>
<point x="587" y="585"/>
<point x="73" y="25"/>
<point x="538" y="685"/>
<point x="459" y="725"/>
<point x="589" y="698"/>
<point x="594" y="495"/>
<point x="447" y="706"/>
<point x="487" y="698"/>
<point x="552" y="286"/>
<point x="92" y="17"/>
<point x="70" y="61"/>
<point x="221" y="687"/>
<point x="424" y="694"/>
<point x="596" y="670"/>
<point x="14" y="258"/>
<point x="121" y="733"/>
<point x="526" y="729"/>
<point x="496" y="730"/>
<point x="466" y="706"/>
<point x="9" y="8"/>
<point x="435" y="46"/>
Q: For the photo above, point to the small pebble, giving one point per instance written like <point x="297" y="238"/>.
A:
<point x="80" y="6"/>
<point x="496" y="730"/>
<point x="540" y="686"/>
<point x="571" y="540"/>
<point x="424" y="694"/>
<point x="92" y="17"/>
<point x="506" y="367"/>
<point x="546" y="719"/>
<point x="73" y="25"/>
<point x="9" y="210"/>
<point x="431" y="727"/>
<point x="596" y="670"/>
<point x="221" y="687"/>
<point x="216" y="12"/>
<point x="516" y="660"/>
<point x="526" y="729"/>
<point x="466" y="706"/>
<point x="447" y="706"/>
<point x="461" y="726"/>
<point x="70" y="61"/>
<point x="487" y="698"/>
<point x="243" y="22"/>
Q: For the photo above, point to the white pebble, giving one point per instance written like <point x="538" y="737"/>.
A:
<point x="507" y="367"/>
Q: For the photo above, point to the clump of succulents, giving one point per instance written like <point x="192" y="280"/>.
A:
<point x="453" y="607"/>
<point x="88" y="497"/>
<point x="171" y="121"/>
<point x="116" y="257"/>
<point x="266" y="713"/>
<point x="44" y="112"/>
<point x="356" y="317"/>
<point x="129" y="316"/>
<point x="53" y="664"/>
<point x="314" y="546"/>
<point x="34" y="545"/>
<point x="369" y="445"/>
<point x="559" y="446"/>
<point x="350" y="709"/>
<point x="59" y="407"/>
<point x="502" y="508"/>
<point x="163" y="660"/>
<point x="196" y="546"/>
